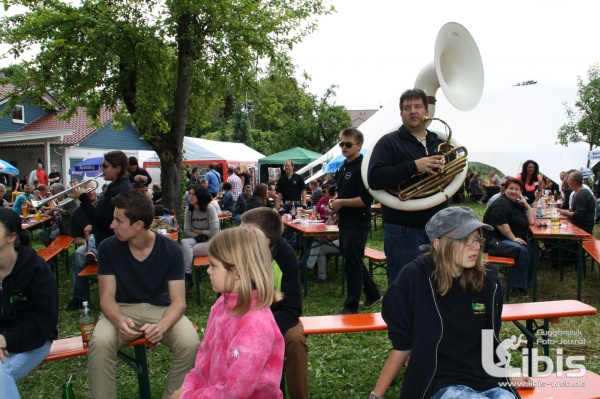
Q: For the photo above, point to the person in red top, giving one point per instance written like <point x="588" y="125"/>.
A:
<point x="532" y="181"/>
<point x="40" y="174"/>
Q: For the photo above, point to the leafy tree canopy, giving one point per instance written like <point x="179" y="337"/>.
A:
<point x="157" y="63"/>
<point x="584" y="121"/>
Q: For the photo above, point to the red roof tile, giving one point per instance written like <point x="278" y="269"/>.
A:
<point x="4" y="90"/>
<point x="80" y="123"/>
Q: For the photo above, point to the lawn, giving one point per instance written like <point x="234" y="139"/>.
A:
<point x="341" y="365"/>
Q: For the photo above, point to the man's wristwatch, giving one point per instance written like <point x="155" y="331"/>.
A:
<point x="373" y="395"/>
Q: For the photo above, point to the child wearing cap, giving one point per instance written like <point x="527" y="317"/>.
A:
<point x="436" y="311"/>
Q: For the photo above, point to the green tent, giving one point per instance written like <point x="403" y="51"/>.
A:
<point x="300" y="156"/>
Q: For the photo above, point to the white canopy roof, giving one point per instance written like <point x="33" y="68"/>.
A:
<point x="508" y="127"/>
<point x="208" y="150"/>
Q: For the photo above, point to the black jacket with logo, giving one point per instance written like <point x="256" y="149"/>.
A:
<point x="414" y="322"/>
<point x="28" y="304"/>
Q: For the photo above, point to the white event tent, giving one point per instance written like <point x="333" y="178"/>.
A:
<point x="508" y="127"/>
<point x="199" y="152"/>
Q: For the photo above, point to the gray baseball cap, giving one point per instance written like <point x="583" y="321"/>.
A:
<point x="455" y="222"/>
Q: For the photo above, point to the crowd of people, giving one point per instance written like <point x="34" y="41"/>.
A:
<point x="440" y="294"/>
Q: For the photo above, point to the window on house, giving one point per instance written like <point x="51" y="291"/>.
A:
<point x="18" y="114"/>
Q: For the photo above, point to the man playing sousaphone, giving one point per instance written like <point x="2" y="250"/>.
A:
<point x="396" y="157"/>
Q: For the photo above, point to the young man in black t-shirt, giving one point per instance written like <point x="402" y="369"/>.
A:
<point x="353" y="206"/>
<point x="142" y="294"/>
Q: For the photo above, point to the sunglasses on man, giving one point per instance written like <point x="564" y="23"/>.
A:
<point x="346" y="144"/>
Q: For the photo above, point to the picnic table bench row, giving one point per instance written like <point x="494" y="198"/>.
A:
<point x="59" y="246"/>
<point x="73" y="347"/>
<point x="549" y="311"/>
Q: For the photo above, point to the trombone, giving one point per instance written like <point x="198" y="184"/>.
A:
<point x="38" y="204"/>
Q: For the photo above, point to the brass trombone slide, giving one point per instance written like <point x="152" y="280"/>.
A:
<point x="38" y="204"/>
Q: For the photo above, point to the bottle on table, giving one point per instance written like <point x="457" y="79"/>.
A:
<point x="86" y="323"/>
<point x="293" y="210"/>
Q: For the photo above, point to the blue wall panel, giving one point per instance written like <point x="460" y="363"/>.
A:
<point x="32" y="112"/>
<point x="106" y="137"/>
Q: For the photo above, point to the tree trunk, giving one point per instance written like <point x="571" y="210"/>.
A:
<point x="171" y="155"/>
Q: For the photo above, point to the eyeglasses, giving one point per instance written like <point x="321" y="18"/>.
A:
<point x="104" y="165"/>
<point x="346" y="144"/>
<point x="470" y="241"/>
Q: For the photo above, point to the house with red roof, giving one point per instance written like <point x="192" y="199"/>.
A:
<point x="33" y="130"/>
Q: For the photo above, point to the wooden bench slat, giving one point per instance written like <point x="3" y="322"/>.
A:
<point x="592" y="247"/>
<point x="374" y="254"/>
<point x="500" y="259"/>
<point x="343" y="323"/>
<point x="49" y="253"/>
<point x="201" y="261"/>
<point x="62" y="241"/>
<point x="552" y="386"/>
<point x="73" y="347"/>
<point x="511" y="312"/>
<point x="546" y="310"/>
<point x="89" y="270"/>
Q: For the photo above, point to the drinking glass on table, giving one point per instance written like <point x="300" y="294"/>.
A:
<point x="24" y="210"/>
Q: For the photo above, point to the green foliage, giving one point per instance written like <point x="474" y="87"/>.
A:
<point x="527" y="83"/>
<point x="159" y="64"/>
<point x="584" y="122"/>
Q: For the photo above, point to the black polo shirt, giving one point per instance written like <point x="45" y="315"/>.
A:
<point x="291" y="187"/>
<point x="350" y="185"/>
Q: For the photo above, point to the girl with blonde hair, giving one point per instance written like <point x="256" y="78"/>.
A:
<point x="241" y="354"/>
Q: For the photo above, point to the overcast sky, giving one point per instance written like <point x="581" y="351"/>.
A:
<point x="373" y="50"/>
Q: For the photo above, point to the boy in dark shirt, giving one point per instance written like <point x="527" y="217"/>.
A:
<point x="353" y="206"/>
<point x="142" y="294"/>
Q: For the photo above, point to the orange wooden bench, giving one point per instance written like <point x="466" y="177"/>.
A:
<point x="90" y="272"/>
<point x="552" y="386"/>
<point x="504" y="264"/>
<point x="592" y="248"/>
<point x="50" y="256"/>
<point x="63" y="242"/>
<point x="377" y="259"/>
<point x="73" y="347"/>
<point x="200" y="263"/>
<point x="550" y="311"/>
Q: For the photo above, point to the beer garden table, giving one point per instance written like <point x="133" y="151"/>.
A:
<point x="565" y="233"/>
<point x="31" y="223"/>
<point x="314" y="229"/>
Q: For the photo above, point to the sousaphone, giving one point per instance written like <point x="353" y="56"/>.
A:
<point x="456" y="68"/>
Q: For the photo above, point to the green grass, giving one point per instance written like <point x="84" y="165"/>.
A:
<point x="340" y="365"/>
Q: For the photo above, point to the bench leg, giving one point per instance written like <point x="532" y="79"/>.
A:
<point x="139" y="364"/>
<point x="198" y="277"/>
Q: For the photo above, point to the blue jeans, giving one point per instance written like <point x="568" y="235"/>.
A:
<point x="401" y="245"/>
<point x="80" y="285"/>
<point x="521" y="274"/>
<point x="463" y="392"/>
<point x="17" y="366"/>
<point x="352" y="245"/>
